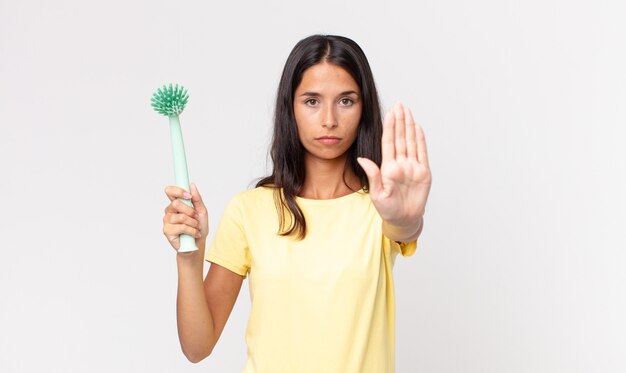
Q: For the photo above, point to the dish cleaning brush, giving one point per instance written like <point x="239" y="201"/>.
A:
<point x="170" y="101"/>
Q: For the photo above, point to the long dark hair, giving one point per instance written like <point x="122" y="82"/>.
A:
<point x="287" y="151"/>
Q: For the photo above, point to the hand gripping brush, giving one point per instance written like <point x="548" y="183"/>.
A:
<point x="170" y="101"/>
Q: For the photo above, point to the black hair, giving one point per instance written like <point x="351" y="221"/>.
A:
<point x="287" y="151"/>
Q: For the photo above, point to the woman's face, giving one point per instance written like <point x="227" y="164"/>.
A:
<point x="327" y="106"/>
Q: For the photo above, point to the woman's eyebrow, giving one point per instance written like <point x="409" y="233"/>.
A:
<point x="341" y="94"/>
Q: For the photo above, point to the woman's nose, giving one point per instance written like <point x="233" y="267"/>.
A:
<point x="330" y="119"/>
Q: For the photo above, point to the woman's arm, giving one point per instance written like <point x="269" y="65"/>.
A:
<point x="203" y="309"/>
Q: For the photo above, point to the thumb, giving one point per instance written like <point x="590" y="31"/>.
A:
<point x="196" y="199"/>
<point x="373" y="175"/>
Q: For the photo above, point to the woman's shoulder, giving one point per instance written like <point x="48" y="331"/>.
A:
<point x="254" y="197"/>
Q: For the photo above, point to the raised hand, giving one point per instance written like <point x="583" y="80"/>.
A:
<point x="399" y="189"/>
<point x="180" y="218"/>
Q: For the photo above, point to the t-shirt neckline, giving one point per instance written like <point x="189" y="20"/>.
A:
<point x="331" y="200"/>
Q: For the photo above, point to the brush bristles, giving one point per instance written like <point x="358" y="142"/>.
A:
<point x="170" y="100"/>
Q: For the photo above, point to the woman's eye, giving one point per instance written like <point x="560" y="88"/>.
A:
<point x="311" y="102"/>
<point x="346" y="101"/>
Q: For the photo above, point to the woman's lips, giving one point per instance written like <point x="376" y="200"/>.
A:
<point x="328" y="140"/>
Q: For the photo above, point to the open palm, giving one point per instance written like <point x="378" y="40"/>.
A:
<point x="399" y="188"/>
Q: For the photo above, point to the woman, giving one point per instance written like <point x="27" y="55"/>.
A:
<point x="319" y="236"/>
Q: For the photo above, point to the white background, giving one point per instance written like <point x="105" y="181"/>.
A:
<point x="521" y="263"/>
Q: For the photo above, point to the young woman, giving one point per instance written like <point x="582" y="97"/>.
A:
<point x="318" y="237"/>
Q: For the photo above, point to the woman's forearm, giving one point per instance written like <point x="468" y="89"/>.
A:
<point x="406" y="233"/>
<point x="195" y="324"/>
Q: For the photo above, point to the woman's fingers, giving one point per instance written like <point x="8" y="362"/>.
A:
<point x="402" y="137"/>
<point x="373" y="175"/>
<point x="179" y="207"/>
<point x="174" y="230"/>
<point x="174" y="192"/>
<point x="399" y="134"/>
<point x="400" y="129"/>
<point x="196" y="198"/>
<point x="422" y="152"/>
<point x="181" y="219"/>
<point x="389" y="139"/>
<point x="411" y="145"/>
<point x="175" y="224"/>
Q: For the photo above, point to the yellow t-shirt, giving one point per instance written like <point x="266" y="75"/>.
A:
<point x="321" y="305"/>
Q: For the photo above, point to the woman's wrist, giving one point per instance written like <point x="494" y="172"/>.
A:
<point x="192" y="258"/>
<point x="403" y="233"/>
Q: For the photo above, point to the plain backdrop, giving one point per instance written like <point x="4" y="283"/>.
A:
<point x="520" y="267"/>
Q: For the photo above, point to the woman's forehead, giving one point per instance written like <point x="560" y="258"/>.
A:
<point x="326" y="78"/>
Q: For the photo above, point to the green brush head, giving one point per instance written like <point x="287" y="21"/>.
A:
<point x="170" y="100"/>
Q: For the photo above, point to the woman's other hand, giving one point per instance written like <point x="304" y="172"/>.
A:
<point x="180" y="218"/>
<point x="399" y="189"/>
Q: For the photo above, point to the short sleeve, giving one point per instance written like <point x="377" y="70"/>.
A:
<point x="403" y="248"/>
<point x="230" y="246"/>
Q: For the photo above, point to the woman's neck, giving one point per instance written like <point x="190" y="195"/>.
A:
<point x="325" y="179"/>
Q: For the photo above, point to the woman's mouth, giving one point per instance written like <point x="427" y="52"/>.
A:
<point x="328" y="140"/>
